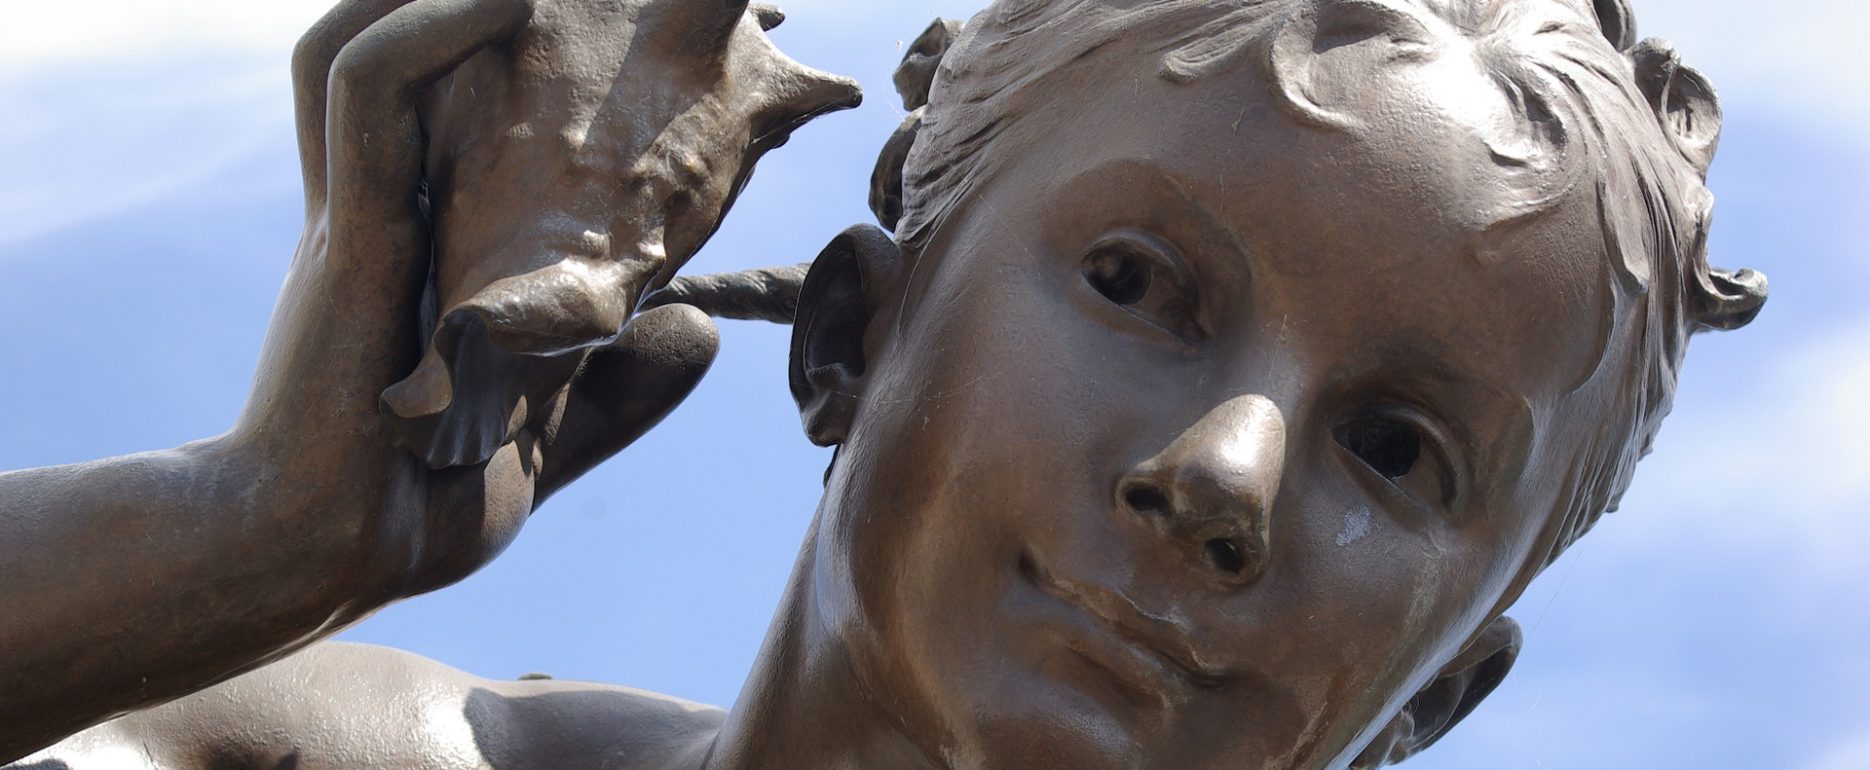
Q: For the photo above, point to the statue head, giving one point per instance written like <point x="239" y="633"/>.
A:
<point x="1235" y="365"/>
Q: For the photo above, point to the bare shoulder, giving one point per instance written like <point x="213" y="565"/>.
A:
<point x="338" y="705"/>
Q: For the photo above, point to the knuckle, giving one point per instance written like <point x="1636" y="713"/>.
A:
<point x="309" y="64"/>
<point x="312" y="59"/>
<point x="352" y="65"/>
<point x="354" y="78"/>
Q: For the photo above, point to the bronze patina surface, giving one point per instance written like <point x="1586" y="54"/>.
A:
<point x="1108" y="392"/>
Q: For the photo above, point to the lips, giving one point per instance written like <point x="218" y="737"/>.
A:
<point x="1159" y="637"/>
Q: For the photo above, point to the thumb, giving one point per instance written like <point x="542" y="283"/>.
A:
<point x="625" y="389"/>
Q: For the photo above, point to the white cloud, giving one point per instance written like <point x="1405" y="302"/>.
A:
<point x="1852" y="753"/>
<point x="1810" y="439"/>
<point x="1535" y="721"/>
<point x="43" y="34"/>
<point x="1768" y="469"/>
<point x="47" y="34"/>
<point x="1807" y="52"/>
<point x="87" y="145"/>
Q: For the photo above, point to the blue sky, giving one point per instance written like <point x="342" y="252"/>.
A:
<point x="148" y="205"/>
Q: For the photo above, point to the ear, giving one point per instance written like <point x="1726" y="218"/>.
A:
<point x="1684" y="101"/>
<point x="1454" y="693"/>
<point x="837" y="302"/>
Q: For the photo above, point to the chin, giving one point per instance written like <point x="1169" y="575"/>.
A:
<point x="1010" y="696"/>
<point x="1034" y="720"/>
<point x="1047" y="722"/>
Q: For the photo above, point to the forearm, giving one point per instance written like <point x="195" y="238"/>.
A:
<point x="134" y="580"/>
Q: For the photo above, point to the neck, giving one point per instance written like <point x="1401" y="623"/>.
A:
<point x="803" y="706"/>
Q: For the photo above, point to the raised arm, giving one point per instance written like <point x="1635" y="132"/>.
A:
<point x="131" y="581"/>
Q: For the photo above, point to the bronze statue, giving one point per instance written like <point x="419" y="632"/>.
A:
<point x="1229" y="370"/>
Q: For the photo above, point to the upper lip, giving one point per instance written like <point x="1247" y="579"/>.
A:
<point x="1155" y="633"/>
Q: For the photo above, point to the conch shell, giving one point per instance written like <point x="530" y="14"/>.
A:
<point x="569" y="171"/>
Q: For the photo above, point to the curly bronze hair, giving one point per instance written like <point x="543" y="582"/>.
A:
<point x="1603" y="113"/>
<point x="1572" y="70"/>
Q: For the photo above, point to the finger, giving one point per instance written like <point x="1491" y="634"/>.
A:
<point x="766" y="294"/>
<point x="311" y="74"/>
<point x="626" y="389"/>
<point x="378" y="237"/>
<point x="346" y="323"/>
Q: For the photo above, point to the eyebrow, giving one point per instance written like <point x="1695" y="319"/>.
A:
<point x="1161" y="197"/>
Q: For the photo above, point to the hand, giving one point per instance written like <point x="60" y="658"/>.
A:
<point x="571" y="168"/>
<point x="150" y="576"/>
<point x="347" y="321"/>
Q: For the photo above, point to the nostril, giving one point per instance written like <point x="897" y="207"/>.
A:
<point x="1226" y="555"/>
<point x="1145" y="500"/>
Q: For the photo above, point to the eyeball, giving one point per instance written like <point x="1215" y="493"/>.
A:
<point x="1390" y="448"/>
<point x="1121" y="275"/>
<point x="1142" y="275"/>
<point x="1407" y="456"/>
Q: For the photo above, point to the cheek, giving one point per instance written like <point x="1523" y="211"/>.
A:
<point x="989" y="425"/>
<point x="986" y="406"/>
<point x="1364" y="603"/>
<point x="1006" y="367"/>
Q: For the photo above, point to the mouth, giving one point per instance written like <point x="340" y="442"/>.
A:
<point x="1148" y="647"/>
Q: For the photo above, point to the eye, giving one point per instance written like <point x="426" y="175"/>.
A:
<point x="1390" y="448"/>
<point x="1118" y="274"/>
<point x="1403" y="453"/>
<point x="1137" y="273"/>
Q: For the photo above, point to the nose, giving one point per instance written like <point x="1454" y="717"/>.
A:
<point x="1211" y="491"/>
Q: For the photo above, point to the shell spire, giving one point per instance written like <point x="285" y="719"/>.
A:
<point x="769" y="16"/>
<point x="798" y="93"/>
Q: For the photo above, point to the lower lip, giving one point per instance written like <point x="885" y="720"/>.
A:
<point x="1141" y="675"/>
<point x="1138" y="673"/>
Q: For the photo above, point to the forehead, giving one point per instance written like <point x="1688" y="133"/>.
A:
<point x="1380" y="241"/>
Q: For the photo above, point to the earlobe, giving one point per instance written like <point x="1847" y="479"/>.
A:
<point x="1455" y="691"/>
<point x="837" y="304"/>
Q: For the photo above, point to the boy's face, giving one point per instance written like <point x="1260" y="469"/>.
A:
<point x="1203" y="438"/>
